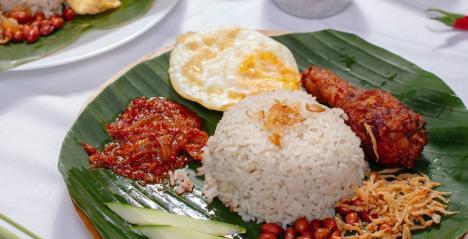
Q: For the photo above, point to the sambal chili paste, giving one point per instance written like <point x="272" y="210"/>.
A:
<point x="149" y="139"/>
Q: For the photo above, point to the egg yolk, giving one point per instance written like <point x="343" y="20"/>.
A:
<point x="263" y="71"/>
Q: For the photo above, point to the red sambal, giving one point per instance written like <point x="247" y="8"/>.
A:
<point x="150" y="138"/>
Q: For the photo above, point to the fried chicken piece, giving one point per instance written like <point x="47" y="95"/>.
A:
<point x="391" y="134"/>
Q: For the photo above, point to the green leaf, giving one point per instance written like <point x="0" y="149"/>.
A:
<point x="447" y="18"/>
<point x="4" y="233"/>
<point x="445" y="159"/>
<point x="15" y="54"/>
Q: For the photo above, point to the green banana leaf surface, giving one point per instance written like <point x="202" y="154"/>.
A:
<point x="445" y="158"/>
<point x="14" y="54"/>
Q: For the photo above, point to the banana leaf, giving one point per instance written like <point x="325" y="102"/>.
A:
<point x="14" y="54"/>
<point x="445" y="159"/>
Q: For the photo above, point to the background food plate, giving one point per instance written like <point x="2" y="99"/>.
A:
<point x="96" y="42"/>
<point x="445" y="159"/>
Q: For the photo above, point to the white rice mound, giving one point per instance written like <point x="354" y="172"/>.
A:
<point x="48" y="7"/>
<point x="319" y="163"/>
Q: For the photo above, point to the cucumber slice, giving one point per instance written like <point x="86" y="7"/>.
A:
<point x="145" y="216"/>
<point x="170" y="232"/>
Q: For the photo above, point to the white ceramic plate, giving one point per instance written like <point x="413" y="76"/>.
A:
<point x="95" y="42"/>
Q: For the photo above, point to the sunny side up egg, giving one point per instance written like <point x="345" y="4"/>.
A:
<point x="220" y="66"/>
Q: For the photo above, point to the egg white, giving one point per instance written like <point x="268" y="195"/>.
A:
<point x="205" y="66"/>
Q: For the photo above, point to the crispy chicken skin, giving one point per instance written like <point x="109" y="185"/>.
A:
<point x="391" y="134"/>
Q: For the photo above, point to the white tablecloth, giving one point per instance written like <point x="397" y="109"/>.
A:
<point x="38" y="107"/>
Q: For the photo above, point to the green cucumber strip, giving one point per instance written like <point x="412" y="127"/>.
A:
<point x="145" y="217"/>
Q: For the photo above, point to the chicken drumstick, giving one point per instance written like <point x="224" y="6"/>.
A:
<point x="391" y="134"/>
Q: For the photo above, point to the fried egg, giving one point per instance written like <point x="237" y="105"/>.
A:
<point x="220" y="66"/>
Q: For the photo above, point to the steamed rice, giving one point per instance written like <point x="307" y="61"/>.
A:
<point x="318" y="163"/>
<point x="48" y="7"/>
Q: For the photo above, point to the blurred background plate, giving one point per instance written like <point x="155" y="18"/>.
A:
<point x="96" y="42"/>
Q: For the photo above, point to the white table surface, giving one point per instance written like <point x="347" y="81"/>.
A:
<point x="38" y="107"/>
